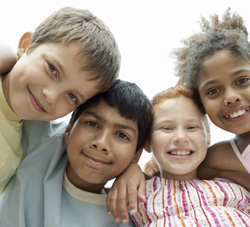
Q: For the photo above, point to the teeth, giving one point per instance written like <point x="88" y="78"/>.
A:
<point x="238" y="113"/>
<point x="181" y="153"/>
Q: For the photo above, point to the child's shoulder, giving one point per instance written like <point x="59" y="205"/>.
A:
<point x="220" y="148"/>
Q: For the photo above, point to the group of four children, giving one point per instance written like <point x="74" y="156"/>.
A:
<point x="58" y="172"/>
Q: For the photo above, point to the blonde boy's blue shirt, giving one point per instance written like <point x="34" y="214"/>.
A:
<point x="36" y="196"/>
<point x="11" y="152"/>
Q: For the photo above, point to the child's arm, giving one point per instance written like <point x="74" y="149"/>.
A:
<point x="127" y="187"/>
<point x="221" y="161"/>
<point x="8" y="58"/>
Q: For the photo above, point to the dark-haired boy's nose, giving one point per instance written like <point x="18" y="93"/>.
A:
<point x="102" y="142"/>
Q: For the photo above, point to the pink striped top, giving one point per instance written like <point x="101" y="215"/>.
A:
<point x="219" y="202"/>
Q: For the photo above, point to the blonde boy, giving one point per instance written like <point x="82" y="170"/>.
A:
<point x="69" y="58"/>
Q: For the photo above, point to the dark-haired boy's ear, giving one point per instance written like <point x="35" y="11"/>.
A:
<point x="24" y="43"/>
<point x="137" y="155"/>
<point x="67" y="133"/>
<point x="147" y="146"/>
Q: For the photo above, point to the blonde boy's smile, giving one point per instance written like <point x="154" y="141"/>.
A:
<point x="35" y="102"/>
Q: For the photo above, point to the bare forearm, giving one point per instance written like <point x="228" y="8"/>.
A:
<point x="8" y="58"/>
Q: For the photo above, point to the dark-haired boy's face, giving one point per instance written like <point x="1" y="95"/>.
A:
<point x="100" y="146"/>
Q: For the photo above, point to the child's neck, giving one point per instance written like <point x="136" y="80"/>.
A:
<point x="83" y="185"/>
<point x="180" y="177"/>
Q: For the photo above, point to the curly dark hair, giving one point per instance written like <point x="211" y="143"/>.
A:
<point x="229" y="33"/>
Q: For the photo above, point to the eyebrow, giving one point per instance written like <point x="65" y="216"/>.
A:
<point x="233" y="74"/>
<point x="123" y="126"/>
<point x="208" y="83"/>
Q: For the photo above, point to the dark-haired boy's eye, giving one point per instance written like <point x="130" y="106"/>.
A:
<point x="92" y="123"/>
<point x="123" y="135"/>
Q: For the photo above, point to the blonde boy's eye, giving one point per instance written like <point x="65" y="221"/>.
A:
<point x="72" y="97"/>
<point x="52" y="69"/>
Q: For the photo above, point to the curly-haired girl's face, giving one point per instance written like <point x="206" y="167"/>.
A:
<point x="224" y="88"/>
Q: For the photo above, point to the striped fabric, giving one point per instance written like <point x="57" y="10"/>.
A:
<point x="215" y="203"/>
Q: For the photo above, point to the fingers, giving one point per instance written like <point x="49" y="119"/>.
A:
<point x="117" y="202"/>
<point x="124" y="191"/>
<point x="132" y="199"/>
<point x="123" y="202"/>
<point x="142" y="191"/>
<point x="111" y="203"/>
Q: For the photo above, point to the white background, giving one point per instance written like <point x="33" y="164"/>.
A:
<point x="146" y="32"/>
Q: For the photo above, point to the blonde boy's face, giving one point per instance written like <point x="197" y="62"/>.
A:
<point x="100" y="146"/>
<point x="224" y="88"/>
<point x="178" y="138"/>
<point x="49" y="82"/>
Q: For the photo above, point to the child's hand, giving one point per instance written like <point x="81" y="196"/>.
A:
<point x="127" y="187"/>
<point x="8" y="58"/>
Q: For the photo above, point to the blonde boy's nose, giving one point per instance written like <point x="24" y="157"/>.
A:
<point x="51" y="95"/>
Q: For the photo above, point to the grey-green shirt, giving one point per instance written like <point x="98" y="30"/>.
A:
<point x="40" y="194"/>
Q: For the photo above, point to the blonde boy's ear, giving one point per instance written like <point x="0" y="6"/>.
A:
<point x="147" y="146"/>
<point x="67" y="133"/>
<point x="137" y="155"/>
<point x="24" y="43"/>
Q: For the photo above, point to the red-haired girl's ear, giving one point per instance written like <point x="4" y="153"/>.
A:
<point x="147" y="146"/>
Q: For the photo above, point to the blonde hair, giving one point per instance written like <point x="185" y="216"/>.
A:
<point x="151" y="168"/>
<point x="93" y="37"/>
